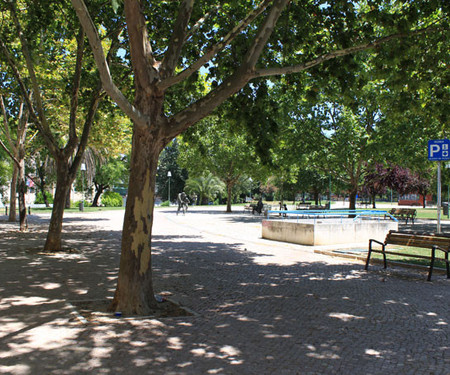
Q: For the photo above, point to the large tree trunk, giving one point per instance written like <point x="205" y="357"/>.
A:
<point x="134" y="293"/>
<point x="13" y="193"/>
<point x="63" y="182"/>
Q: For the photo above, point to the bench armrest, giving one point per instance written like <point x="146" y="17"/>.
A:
<point x="378" y="242"/>
<point x="441" y="248"/>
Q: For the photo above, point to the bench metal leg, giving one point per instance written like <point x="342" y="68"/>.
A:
<point x="368" y="257"/>
<point x="447" y="266"/>
<point x="433" y="249"/>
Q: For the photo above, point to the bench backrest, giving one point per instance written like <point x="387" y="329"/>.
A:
<point x="403" y="211"/>
<point x="418" y="239"/>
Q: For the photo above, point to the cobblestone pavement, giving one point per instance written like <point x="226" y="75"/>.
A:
<point x="262" y="307"/>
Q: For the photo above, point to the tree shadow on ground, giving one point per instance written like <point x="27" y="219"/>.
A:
<point x="308" y="317"/>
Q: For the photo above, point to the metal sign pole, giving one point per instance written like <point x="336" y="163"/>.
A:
<point x="439" y="197"/>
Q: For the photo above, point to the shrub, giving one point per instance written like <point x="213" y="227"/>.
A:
<point x="40" y="199"/>
<point x="111" y="199"/>
<point x="76" y="204"/>
<point x="165" y="204"/>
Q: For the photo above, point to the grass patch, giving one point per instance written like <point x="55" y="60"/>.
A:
<point x="412" y="250"/>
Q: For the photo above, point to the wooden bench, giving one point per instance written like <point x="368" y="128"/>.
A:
<point x="252" y="208"/>
<point x="302" y="206"/>
<point x="404" y="214"/>
<point x="432" y="241"/>
<point x="249" y="207"/>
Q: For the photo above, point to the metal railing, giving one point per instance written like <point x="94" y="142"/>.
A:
<point x="324" y="214"/>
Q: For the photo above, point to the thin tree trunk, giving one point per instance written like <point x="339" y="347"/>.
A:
<point x="98" y="191"/>
<point x="13" y="193"/>
<point x="316" y="198"/>
<point x="134" y="293"/>
<point x="22" y="188"/>
<point x="66" y="199"/>
<point x="42" y="185"/>
<point x="352" y="200"/>
<point x="229" y="189"/>
<point x="424" y="203"/>
<point x="45" y="198"/>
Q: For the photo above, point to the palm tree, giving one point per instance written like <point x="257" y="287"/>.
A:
<point x="206" y="187"/>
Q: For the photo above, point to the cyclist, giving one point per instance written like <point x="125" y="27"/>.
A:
<point x="183" y="202"/>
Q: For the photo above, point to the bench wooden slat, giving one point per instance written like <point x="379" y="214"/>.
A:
<point x="405" y="254"/>
<point x="418" y="243"/>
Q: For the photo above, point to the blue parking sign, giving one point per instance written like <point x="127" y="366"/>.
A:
<point x="439" y="149"/>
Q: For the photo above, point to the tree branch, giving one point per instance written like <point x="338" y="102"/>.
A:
<point x="215" y="49"/>
<point x="9" y="153"/>
<point x="42" y="122"/>
<point x="94" y="40"/>
<point x="332" y="55"/>
<point x="200" y="22"/>
<point x="89" y="121"/>
<point x="6" y="125"/>
<point x="264" y="32"/>
<point x="177" y="39"/>
<point x="48" y="137"/>
<point x="203" y="107"/>
<point x="76" y="86"/>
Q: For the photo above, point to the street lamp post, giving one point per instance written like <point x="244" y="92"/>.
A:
<point x="169" y="174"/>
<point x="83" y="171"/>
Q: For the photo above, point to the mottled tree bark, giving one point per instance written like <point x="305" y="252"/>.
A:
<point x="134" y="293"/>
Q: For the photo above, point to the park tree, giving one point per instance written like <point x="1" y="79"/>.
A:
<point x="213" y="145"/>
<point x="14" y="128"/>
<point x="44" y="175"/>
<point x="169" y="42"/>
<point x="168" y="162"/>
<point x="49" y="62"/>
<point x="206" y="187"/>
<point x="374" y="182"/>
<point x="106" y="157"/>
<point x="5" y="171"/>
<point x="107" y="174"/>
